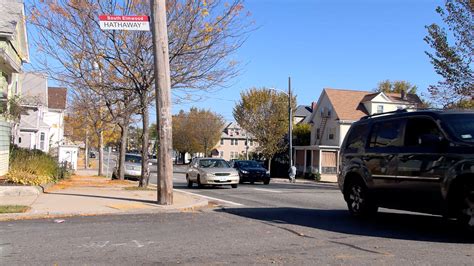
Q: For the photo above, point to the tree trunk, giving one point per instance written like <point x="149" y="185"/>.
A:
<point x="270" y="167"/>
<point x="101" y="153"/>
<point x="123" y="149"/>
<point x="145" y="175"/>
<point x="86" y="156"/>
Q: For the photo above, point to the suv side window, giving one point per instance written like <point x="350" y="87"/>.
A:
<point x="357" y="138"/>
<point x="386" y="134"/>
<point x="419" y="128"/>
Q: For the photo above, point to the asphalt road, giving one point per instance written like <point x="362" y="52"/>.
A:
<point x="282" y="223"/>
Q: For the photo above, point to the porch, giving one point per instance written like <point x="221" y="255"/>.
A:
<point x="317" y="159"/>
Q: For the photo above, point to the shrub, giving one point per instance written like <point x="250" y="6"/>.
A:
<point x="33" y="167"/>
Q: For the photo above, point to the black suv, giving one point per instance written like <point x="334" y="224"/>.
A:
<point x="418" y="161"/>
<point x="251" y="171"/>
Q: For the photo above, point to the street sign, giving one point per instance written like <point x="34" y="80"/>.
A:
<point x="113" y="22"/>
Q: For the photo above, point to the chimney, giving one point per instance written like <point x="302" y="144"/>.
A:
<point x="403" y="95"/>
<point x="313" y="106"/>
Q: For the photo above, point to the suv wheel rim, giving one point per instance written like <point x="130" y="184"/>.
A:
<point x="469" y="207"/>
<point x="356" y="198"/>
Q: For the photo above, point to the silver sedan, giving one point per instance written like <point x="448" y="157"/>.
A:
<point x="211" y="171"/>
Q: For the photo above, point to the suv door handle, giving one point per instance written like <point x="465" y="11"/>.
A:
<point x="405" y="158"/>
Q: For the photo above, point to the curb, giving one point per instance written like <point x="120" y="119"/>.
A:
<point x="20" y="191"/>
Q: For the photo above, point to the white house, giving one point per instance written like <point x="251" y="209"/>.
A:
<point x="335" y="111"/>
<point x="42" y="124"/>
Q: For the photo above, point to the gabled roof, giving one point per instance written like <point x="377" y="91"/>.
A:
<point x="13" y="25"/>
<point x="57" y="98"/>
<point x="410" y="98"/>
<point x="11" y="11"/>
<point x="347" y="103"/>
<point x="303" y="111"/>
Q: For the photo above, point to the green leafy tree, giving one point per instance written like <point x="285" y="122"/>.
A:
<point x="396" y="86"/>
<point x="263" y="113"/>
<point x="453" y="61"/>
<point x="301" y="134"/>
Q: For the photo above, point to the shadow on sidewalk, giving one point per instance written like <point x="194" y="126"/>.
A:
<point x="103" y="197"/>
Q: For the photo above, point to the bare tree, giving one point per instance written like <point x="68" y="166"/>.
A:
<point x="202" y="36"/>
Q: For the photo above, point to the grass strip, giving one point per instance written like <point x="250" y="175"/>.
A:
<point x="13" y="208"/>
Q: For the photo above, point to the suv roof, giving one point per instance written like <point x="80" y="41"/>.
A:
<point x="405" y="113"/>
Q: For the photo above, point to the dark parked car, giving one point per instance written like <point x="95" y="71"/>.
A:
<point x="418" y="161"/>
<point x="251" y="171"/>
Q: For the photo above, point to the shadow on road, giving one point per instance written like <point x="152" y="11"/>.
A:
<point x="386" y="225"/>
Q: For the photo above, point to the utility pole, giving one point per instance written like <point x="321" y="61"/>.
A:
<point x="290" y="123"/>
<point x="163" y="101"/>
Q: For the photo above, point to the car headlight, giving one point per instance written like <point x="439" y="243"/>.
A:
<point x="244" y="172"/>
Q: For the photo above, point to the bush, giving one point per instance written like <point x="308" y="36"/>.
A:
<point x="33" y="167"/>
<point x="314" y="175"/>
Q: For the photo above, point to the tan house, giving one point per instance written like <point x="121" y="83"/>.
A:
<point x="335" y="111"/>
<point x="235" y="143"/>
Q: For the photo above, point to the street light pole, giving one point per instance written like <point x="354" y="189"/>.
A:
<point x="290" y="123"/>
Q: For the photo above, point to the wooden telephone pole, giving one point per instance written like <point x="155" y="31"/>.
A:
<point x="163" y="101"/>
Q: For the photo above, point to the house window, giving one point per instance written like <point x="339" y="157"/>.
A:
<point x="19" y="140"/>
<point x="222" y="154"/>
<point x="251" y="142"/>
<point x="379" y="109"/>
<point x="318" y="132"/>
<point x="236" y="142"/>
<point x="232" y="155"/>
<point x="222" y="141"/>
<point x="42" y="137"/>
<point x="332" y="132"/>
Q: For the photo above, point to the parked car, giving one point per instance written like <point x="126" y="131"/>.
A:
<point x="418" y="161"/>
<point x="133" y="167"/>
<point x="92" y="155"/>
<point x="211" y="171"/>
<point x="251" y="171"/>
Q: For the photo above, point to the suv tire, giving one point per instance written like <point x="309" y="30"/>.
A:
<point x="358" y="199"/>
<point x="466" y="205"/>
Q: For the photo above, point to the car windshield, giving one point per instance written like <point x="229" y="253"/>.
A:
<point x="211" y="163"/>
<point x="253" y="164"/>
<point x="133" y="159"/>
<point x="461" y="125"/>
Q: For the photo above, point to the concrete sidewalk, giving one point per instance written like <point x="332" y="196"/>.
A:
<point x="83" y="194"/>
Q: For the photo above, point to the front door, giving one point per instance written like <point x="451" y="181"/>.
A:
<point x="421" y="164"/>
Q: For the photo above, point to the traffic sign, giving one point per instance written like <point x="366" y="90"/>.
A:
<point x="114" y="22"/>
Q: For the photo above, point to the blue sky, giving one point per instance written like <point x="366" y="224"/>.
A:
<point x="350" y="44"/>
<point x="333" y="43"/>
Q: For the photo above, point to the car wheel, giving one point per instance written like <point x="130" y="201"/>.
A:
<point x="234" y="185"/>
<point x="466" y="215"/>
<point x="266" y="181"/>
<point x="199" y="182"/>
<point x="190" y="183"/>
<point x="358" y="199"/>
